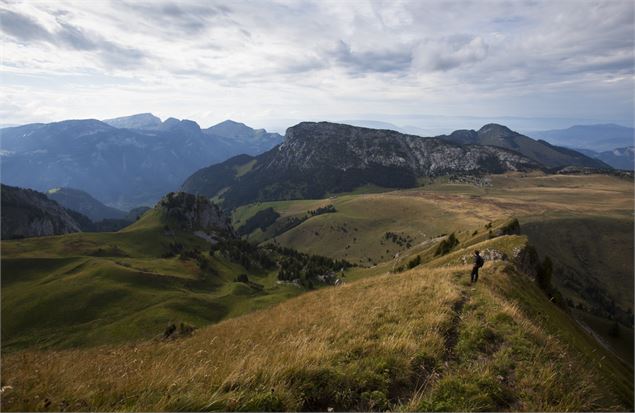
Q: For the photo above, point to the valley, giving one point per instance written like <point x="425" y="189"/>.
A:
<point x="306" y="279"/>
<point x="583" y="223"/>
<point x="105" y="294"/>
<point x="438" y="217"/>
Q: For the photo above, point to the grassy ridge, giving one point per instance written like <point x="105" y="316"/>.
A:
<point x="419" y="340"/>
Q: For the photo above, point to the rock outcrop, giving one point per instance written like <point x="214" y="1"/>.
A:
<point x="193" y="212"/>
<point x="28" y="213"/>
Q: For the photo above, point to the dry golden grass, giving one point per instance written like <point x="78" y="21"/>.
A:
<point x="226" y="364"/>
<point x="417" y="340"/>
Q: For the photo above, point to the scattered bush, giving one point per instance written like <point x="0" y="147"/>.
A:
<point x="242" y="278"/>
<point x="328" y="209"/>
<point x="447" y="244"/>
<point x="173" y="332"/>
<point x="401" y="240"/>
<point x="261" y="219"/>
<point x="414" y="262"/>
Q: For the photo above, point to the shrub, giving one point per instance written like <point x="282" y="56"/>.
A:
<point x="242" y="278"/>
<point x="447" y="244"/>
<point x="414" y="262"/>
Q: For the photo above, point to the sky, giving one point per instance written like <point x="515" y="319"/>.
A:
<point x="433" y="65"/>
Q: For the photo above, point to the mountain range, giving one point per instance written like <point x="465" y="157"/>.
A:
<point x="133" y="163"/>
<point x="321" y="158"/>
<point x="619" y="158"/>
<point x="598" y="138"/>
<point x="540" y="151"/>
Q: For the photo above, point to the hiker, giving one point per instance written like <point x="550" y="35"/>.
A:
<point x="478" y="263"/>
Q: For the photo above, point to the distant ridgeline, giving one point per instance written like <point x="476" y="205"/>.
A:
<point x="321" y="158"/>
<point x="28" y="213"/>
<point x="125" y="162"/>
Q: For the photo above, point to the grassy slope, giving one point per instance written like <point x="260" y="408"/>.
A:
<point x="596" y="247"/>
<point x="441" y="207"/>
<point x="419" y="340"/>
<point x="356" y="231"/>
<point x="97" y="288"/>
<point x="580" y="221"/>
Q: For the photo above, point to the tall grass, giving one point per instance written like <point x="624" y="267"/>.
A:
<point x="417" y="340"/>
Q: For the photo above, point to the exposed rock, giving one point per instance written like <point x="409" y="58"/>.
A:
<point x="194" y="213"/>
<point x="311" y="145"/>
<point x="488" y="254"/>
<point x="28" y="213"/>
<point x="320" y="158"/>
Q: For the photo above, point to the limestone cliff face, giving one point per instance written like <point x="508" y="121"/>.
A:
<point x="194" y="212"/>
<point x="28" y="213"/>
<point x="325" y="158"/>
<point x="310" y="145"/>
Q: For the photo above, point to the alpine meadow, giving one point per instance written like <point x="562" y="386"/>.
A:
<point x="359" y="205"/>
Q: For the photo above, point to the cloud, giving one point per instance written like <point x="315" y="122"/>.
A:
<point x="22" y="28"/>
<point x="451" y="52"/>
<point x="310" y="58"/>
<point x="186" y="18"/>
<point x="373" y="60"/>
<point x="25" y="29"/>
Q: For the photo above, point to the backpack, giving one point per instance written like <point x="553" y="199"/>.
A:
<point x="479" y="261"/>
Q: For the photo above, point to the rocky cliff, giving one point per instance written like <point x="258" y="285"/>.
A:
<point x="28" y="213"/>
<point x="193" y="212"/>
<point x="320" y="158"/>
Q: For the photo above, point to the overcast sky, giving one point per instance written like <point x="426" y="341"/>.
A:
<point x="270" y="64"/>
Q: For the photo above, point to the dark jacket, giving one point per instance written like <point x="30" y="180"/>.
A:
<point x="478" y="261"/>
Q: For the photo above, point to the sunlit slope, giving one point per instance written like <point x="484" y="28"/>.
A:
<point x="98" y="288"/>
<point x="356" y="231"/>
<point x="419" y="340"/>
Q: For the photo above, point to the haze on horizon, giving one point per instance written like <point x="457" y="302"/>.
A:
<point x="436" y="65"/>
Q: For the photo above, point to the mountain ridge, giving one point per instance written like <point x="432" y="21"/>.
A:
<point x="134" y="166"/>
<point x="28" y="213"/>
<point x="84" y="203"/>
<point x="538" y="150"/>
<point x="323" y="157"/>
<point x="597" y="137"/>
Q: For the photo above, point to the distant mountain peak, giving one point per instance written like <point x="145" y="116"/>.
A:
<point x="138" y="121"/>
<point x="542" y="152"/>
<point x="231" y="122"/>
<point x="231" y="129"/>
<point x="497" y="130"/>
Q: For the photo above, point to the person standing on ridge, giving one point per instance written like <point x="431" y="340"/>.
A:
<point x="478" y="263"/>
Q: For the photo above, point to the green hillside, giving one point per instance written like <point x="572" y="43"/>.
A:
<point x="101" y="288"/>
<point x="405" y="331"/>
<point x="423" y="339"/>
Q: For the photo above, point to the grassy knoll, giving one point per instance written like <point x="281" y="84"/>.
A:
<point x="419" y="340"/>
